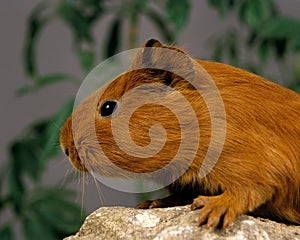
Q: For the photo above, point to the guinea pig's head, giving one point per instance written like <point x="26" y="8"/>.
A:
<point x="137" y="122"/>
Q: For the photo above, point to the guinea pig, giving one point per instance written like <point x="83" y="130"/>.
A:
<point x="223" y="139"/>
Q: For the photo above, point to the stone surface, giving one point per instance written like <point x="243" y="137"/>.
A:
<point x="175" y="223"/>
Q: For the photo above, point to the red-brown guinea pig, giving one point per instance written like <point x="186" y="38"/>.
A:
<point x="141" y="120"/>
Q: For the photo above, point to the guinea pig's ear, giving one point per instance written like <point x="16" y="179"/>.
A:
<point x="152" y="43"/>
<point x="144" y="57"/>
<point x="171" y="62"/>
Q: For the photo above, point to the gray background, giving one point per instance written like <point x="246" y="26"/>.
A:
<point x="55" y="55"/>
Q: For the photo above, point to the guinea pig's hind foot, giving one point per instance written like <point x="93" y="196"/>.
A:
<point x="216" y="211"/>
<point x="170" y="201"/>
<point x="148" y="204"/>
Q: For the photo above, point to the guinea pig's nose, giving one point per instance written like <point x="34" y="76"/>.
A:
<point x="67" y="151"/>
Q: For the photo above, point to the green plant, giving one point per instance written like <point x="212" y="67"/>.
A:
<point x="270" y="35"/>
<point x="47" y="212"/>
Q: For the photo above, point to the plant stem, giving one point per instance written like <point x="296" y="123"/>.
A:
<point x="5" y="201"/>
<point x="133" y="26"/>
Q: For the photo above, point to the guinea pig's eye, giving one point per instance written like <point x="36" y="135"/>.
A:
<point x="108" y="108"/>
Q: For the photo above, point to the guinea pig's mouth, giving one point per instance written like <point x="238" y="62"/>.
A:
<point x="74" y="159"/>
<point x="78" y="164"/>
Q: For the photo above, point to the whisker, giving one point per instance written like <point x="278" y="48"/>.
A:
<point x="60" y="162"/>
<point x="100" y="196"/>
<point x="70" y="173"/>
<point x="54" y="123"/>
<point x="82" y="194"/>
<point x="78" y="185"/>
<point x="64" y="180"/>
<point x="55" y="144"/>
<point x="87" y="180"/>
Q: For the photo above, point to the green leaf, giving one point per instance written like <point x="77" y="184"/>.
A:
<point x="254" y="12"/>
<point x="81" y="15"/>
<point x="35" y="228"/>
<point x="53" y="78"/>
<point x="233" y="50"/>
<point x="35" y="24"/>
<point x="140" y="5"/>
<point x="53" y="131"/>
<point x="53" y="207"/>
<point x="297" y="89"/>
<point x="6" y="233"/>
<point x="248" y="13"/>
<point x="87" y="59"/>
<point x="68" y="214"/>
<point x="79" y="25"/>
<point x="297" y="68"/>
<point x="280" y="46"/>
<point x="162" y="25"/>
<point x="177" y="12"/>
<point x="251" y="40"/>
<point x="49" y="211"/>
<point x="270" y="8"/>
<point x="25" y="152"/>
<point x="218" y="51"/>
<point x="29" y="154"/>
<point x="281" y="34"/>
<point x="44" y="81"/>
<point x="280" y="27"/>
<point x="25" y="159"/>
<point x="227" y="46"/>
<point x="297" y="43"/>
<point x="15" y="189"/>
<point x="90" y="9"/>
<point x="25" y="90"/>
<point x="222" y="6"/>
<point x="263" y="51"/>
<point x="112" y="41"/>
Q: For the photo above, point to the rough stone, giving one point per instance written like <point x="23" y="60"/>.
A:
<point x="175" y="223"/>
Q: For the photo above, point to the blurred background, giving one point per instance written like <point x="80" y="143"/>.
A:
<point x="47" y="49"/>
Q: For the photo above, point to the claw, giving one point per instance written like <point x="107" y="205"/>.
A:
<point x="144" y="205"/>
<point x="148" y="204"/>
<point x="215" y="211"/>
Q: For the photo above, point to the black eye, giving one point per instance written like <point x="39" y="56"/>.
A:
<point x="108" y="108"/>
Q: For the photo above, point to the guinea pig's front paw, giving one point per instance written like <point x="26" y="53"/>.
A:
<point x="148" y="204"/>
<point x="215" y="211"/>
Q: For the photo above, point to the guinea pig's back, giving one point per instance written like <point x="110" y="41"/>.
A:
<point x="249" y="97"/>
<point x="263" y="122"/>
